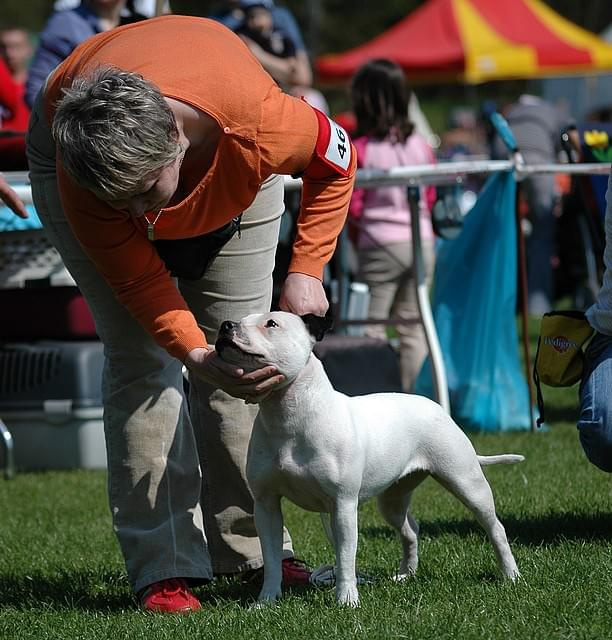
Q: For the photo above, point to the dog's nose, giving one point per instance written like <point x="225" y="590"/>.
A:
<point x="227" y="327"/>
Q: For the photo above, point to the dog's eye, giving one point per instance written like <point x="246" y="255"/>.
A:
<point x="271" y="324"/>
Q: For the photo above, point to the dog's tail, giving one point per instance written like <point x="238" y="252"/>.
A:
<point x="504" y="458"/>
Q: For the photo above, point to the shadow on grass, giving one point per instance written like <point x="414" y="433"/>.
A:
<point x="244" y="594"/>
<point x="532" y="531"/>
<point x="66" y="590"/>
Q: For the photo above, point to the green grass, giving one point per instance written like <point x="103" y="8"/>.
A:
<point x="62" y="576"/>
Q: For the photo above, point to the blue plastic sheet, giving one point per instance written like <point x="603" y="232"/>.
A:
<point x="11" y="222"/>
<point x="474" y="309"/>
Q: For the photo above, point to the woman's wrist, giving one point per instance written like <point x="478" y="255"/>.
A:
<point x="196" y="356"/>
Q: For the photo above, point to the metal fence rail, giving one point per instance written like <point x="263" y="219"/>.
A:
<point x="441" y="173"/>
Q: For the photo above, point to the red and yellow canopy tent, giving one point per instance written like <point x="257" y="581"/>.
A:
<point x="475" y="41"/>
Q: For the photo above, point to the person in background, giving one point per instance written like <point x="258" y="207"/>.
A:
<point x="156" y="173"/>
<point x="272" y="47"/>
<point x="14" y="115"/>
<point x="287" y="72"/>
<point x="16" y="50"/>
<point x="595" y="422"/>
<point x="380" y="217"/>
<point x="258" y="27"/>
<point x="9" y="102"/>
<point x="537" y="126"/>
<point x="68" y="28"/>
<point x="146" y="8"/>
<point x="464" y="138"/>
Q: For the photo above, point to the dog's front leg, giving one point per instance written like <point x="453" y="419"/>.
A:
<point x="344" y="526"/>
<point x="269" y="524"/>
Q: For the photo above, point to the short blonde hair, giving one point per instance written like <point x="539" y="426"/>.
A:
<point x="113" y="129"/>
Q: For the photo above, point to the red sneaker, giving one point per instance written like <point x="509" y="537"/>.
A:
<point x="169" y="596"/>
<point x="295" y="573"/>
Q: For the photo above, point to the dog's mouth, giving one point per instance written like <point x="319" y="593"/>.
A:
<point x="226" y="345"/>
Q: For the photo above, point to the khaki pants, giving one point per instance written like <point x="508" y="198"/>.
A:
<point x="389" y="273"/>
<point x="176" y="469"/>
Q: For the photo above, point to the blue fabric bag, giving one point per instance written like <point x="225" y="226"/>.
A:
<point x="474" y="309"/>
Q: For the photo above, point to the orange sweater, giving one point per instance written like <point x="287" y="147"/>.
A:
<point x="265" y="131"/>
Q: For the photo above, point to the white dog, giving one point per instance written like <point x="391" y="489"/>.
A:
<point x="328" y="452"/>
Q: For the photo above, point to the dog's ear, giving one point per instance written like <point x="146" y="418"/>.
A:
<point x="317" y="326"/>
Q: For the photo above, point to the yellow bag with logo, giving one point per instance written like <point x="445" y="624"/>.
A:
<point x="559" y="359"/>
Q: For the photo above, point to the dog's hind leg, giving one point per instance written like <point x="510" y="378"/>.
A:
<point x="394" y="506"/>
<point x="471" y="487"/>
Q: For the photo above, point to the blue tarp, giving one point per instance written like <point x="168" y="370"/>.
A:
<point x="10" y="222"/>
<point x="474" y="309"/>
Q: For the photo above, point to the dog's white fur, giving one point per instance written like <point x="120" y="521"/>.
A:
<point x="328" y="452"/>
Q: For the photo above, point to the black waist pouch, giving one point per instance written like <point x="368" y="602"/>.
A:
<point x="189" y="257"/>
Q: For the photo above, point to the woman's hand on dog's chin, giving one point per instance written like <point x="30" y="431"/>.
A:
<point x="252" y="386"/>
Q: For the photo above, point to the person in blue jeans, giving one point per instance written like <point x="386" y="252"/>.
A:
<point x="595" y="422"/>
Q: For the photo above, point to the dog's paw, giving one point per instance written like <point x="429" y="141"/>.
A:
<point x="514" y="575"/>
<point x="268" y="596"/>
<point x="509" y="569"/>
<point x="348" y="597"/>
<point x="263" y="604"/>
<point x="406" y="570"/>
<point x="400" y="577"/>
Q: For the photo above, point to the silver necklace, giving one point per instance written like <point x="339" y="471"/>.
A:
<point x="151" y="225"/>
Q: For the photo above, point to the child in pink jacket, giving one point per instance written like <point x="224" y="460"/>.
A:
<point x="379" y="217"/>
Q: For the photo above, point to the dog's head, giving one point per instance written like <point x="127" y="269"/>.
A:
<point x="278" y="338"/>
